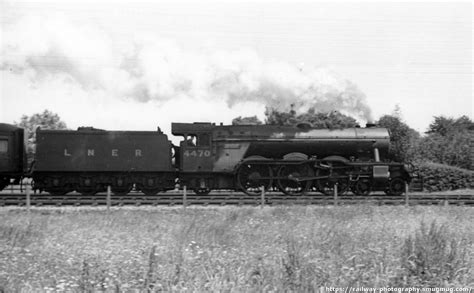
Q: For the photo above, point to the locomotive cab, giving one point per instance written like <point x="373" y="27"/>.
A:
<point x="196" y="154"/>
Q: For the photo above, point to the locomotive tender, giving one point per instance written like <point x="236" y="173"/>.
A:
<point x="292" y="159"/>
<point x="88" y="160"/>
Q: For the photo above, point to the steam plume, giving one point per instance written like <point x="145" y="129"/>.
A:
<point x="152" y="69"/>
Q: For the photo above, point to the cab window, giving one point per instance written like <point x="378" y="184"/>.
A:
<point x="3" y="146"/>
<point x="191" y="140"/>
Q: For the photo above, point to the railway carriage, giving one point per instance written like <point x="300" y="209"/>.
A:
<point x="13" y="159"/>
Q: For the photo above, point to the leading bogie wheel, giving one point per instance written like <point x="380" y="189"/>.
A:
<point x="362" y="187"/>
<point x="396" y="186"/>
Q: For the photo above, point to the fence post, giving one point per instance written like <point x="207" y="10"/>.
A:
<point x="184" y="197"/>
<point x="262" y="198"/>
<point x="407" y="196"/>
<point x="28" y="197"/>
<point x="335" y="194"/>
<point x="108" y="198"/>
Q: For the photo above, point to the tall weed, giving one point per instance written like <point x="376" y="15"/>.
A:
<point x="433" y="257"/>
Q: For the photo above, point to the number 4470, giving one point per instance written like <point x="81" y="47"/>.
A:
<point x="197" y="153"/>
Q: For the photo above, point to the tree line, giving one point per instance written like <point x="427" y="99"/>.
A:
<point x="447" y="141"/>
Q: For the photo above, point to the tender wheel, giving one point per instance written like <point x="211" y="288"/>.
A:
<point x="396" y="186"/>
<point x="57" y="192"/>
<point x="201" y="191"/>
<point x="293" y="187"/>
<point x="121" y="186"/>
<point x="251" y="177"/>
<point x="87" y="186"/>
<point x="121" y="191"/>
<point x="362" y="187"/>
<point x="86" y="190"/>
<point x="151" y="191"/>
<point x="3" y="184"/>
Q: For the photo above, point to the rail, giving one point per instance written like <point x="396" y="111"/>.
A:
<point x="14" y="195"/>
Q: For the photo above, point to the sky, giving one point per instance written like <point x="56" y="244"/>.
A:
<point x="136" y="66"/>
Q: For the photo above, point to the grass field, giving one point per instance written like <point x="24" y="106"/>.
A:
<point x="235" y="248"/>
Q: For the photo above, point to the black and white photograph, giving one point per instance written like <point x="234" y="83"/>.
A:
<point x="236" y="146"/>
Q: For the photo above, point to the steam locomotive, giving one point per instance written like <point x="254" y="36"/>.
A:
<point x="291" y="159"/>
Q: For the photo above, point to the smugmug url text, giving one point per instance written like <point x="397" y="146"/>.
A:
<point x="394" y="289"/>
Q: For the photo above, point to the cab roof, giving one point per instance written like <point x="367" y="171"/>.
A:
<point x="4" y="127"/>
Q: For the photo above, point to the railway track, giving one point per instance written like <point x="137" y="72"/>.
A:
<point x="231" y="198"/>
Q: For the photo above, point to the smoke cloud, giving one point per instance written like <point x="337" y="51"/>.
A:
<point x="148" y="68"/>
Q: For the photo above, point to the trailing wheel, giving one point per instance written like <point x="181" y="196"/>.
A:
<point x="290" y="186"/>
<point x="396" y="186"/>
<point x="251" y="177"/>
